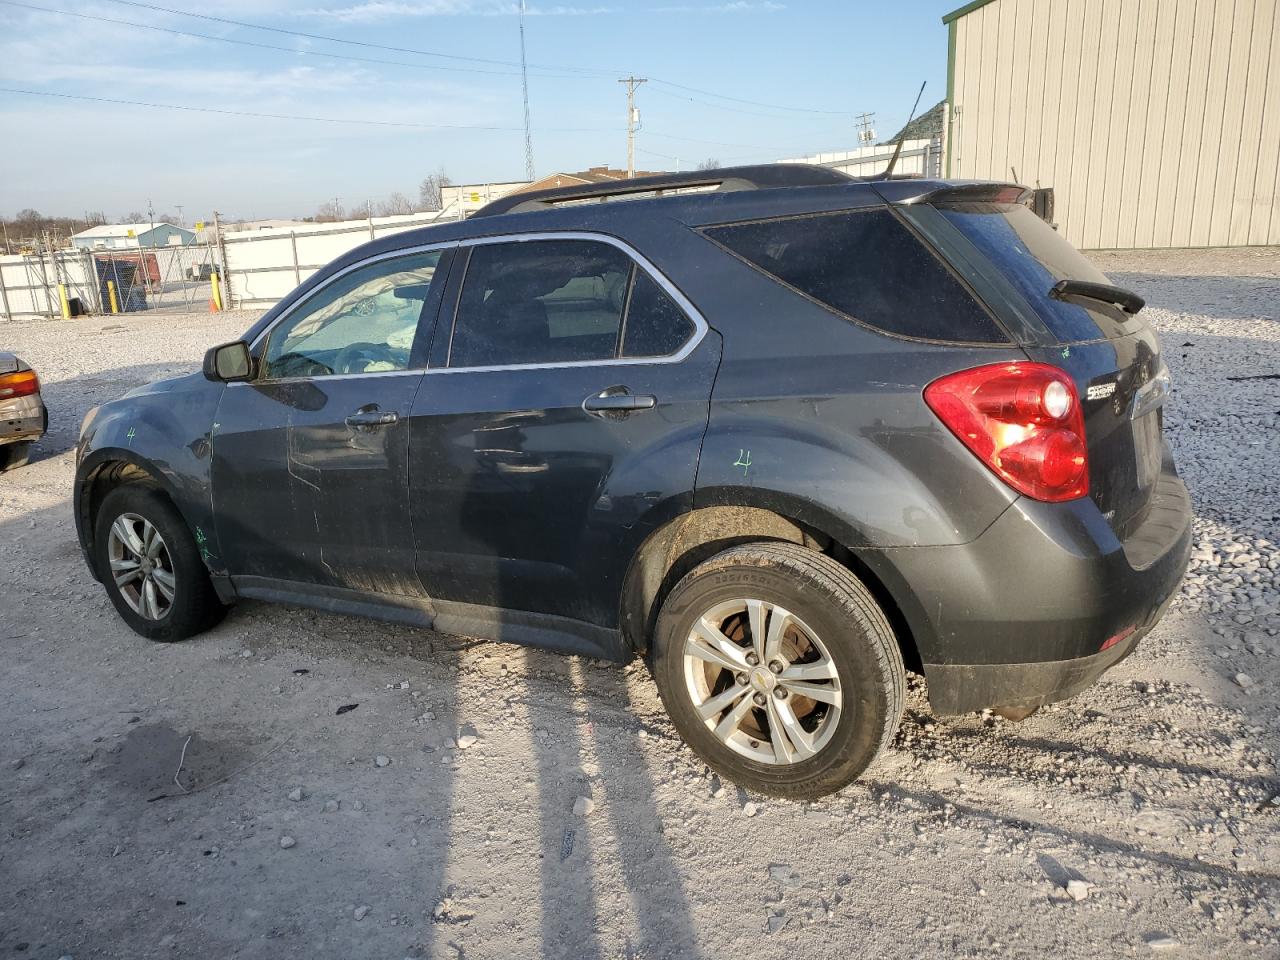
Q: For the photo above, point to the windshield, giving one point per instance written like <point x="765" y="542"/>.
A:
<point x="1033" y="257"/>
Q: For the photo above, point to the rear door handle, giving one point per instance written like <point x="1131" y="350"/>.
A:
<point x="615" y="401"/>
<point x="372" y="418"/>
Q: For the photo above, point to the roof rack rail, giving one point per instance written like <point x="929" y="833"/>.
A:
<point x="759" y="177"/>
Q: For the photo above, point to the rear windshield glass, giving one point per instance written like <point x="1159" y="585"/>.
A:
<point x="1033" y="256"/>
<point x="867" y="266"/>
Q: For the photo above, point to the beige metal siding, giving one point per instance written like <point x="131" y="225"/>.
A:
<point x="1155" y="121"/>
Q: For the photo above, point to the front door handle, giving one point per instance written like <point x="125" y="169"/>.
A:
<point x="372" y="418"/>
<point x="618" y="401"/>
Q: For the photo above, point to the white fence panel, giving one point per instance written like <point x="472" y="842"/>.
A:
<point x="265" y="265"/>
<point x="29" y="283"/>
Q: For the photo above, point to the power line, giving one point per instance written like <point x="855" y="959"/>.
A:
<point x="585" y="71"/>
<point x="783" y="115"/>
<point x="354" y="43"/>
<point x="271" y="46"/>
<point x="721" y="96"/>
<point x="287" y="116"/>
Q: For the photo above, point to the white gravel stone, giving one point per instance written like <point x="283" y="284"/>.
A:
<point x="583" y="806"/>
<point x="1078" y="889"/>
<point x="287" y="841"/>
<point x="361" y="912"/>
<point x="382" y="761"/>
<point x="750" y="809"/>
<point x="296" y="794"/>
<point x="466" y="740"/>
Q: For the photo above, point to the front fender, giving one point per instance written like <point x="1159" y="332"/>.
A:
<point x="166" y="432"/>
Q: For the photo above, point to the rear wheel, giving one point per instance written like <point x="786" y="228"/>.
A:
<point x="779" y="669"/>
<point x="151" y="567"/>
<point x="14" y="455"/>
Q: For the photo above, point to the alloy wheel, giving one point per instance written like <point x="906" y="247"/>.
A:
<point x="762" y="681"/>
<point x="141" y="566"/>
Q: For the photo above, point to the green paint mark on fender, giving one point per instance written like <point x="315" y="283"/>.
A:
<point x="131" y="434"/>
<point x="743" y="461"/>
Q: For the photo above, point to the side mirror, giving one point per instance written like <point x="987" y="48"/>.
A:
<point x="229" y="362"/>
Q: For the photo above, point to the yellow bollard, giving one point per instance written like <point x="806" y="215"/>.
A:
<point x="217" y="290"/>
<point x="62" y="297"/>
<point x="111" y="295"/>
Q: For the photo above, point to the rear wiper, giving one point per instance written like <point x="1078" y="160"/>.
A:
<point x="1126" y="300"/>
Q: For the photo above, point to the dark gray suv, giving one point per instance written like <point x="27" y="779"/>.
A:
<point x="785" y="433"/>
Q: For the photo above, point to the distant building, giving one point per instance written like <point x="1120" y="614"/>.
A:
<point x="130" y="236"/>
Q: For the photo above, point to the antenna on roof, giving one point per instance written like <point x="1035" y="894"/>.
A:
<point x="897" y="151"/>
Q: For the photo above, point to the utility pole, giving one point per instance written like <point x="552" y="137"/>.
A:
<point x="633" y="117"/>
<point x="866" y="133"/>
<point x="180" y="221"/>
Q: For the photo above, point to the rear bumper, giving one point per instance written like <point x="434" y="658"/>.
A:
<point x="22" y="418"/>
<point x="1018" y="617"/>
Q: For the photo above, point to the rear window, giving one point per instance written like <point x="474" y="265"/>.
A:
<point x="868" y="266"/>
<point x="1033" y="257"/>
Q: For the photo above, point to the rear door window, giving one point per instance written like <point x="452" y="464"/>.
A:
<point x="1033" y="257"/>
<point x="561" y="301"/>
<point x="867" y="266"/>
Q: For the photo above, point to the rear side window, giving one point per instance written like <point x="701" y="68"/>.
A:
<point x="561" y="301"/>
<point x="656" y="327"/>
<point x="1034" y="256"/>
<point x="868" y="266"/>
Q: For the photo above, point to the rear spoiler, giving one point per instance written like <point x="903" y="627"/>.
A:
<point x="1040" y="200"/>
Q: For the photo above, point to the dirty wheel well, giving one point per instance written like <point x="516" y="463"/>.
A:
<point x="102" y="481"/>
<point x="671" y="552"/>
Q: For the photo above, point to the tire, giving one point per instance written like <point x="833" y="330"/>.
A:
<point x="834" y="638"/>
<point x="181" y="601"/>
<point x="14" y="455"/>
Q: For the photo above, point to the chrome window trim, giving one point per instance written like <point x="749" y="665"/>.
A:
<point x="699" y="322"/>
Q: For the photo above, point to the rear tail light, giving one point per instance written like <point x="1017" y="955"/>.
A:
<point x="1023" y="420"/>
<point x="20" y="384"/>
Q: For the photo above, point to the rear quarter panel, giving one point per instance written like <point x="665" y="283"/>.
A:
<point x="823" y="420"/>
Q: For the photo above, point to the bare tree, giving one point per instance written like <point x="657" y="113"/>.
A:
<point x="170" y="218"/>
<point x="329" y="211"/>
<point x="394" y="205"/>
<point x="711" y="163"/>
<point x="431" y="189"/>
<point x="134" y="217"/>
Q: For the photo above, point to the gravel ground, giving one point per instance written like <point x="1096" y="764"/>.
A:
<point x="443" y="816"/>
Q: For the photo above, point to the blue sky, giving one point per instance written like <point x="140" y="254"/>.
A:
<point x="807" y="67"/>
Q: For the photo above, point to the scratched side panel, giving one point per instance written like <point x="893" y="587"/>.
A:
<point x="164" y="428"/>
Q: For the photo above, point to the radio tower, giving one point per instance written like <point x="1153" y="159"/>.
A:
<point x="524" y="82"/>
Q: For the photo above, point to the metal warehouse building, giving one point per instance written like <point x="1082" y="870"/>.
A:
<point x="1157" y="122"/>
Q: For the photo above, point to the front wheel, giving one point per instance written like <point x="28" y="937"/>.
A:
<point x="151" y="566"/>
<point x="779" y="669"/>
